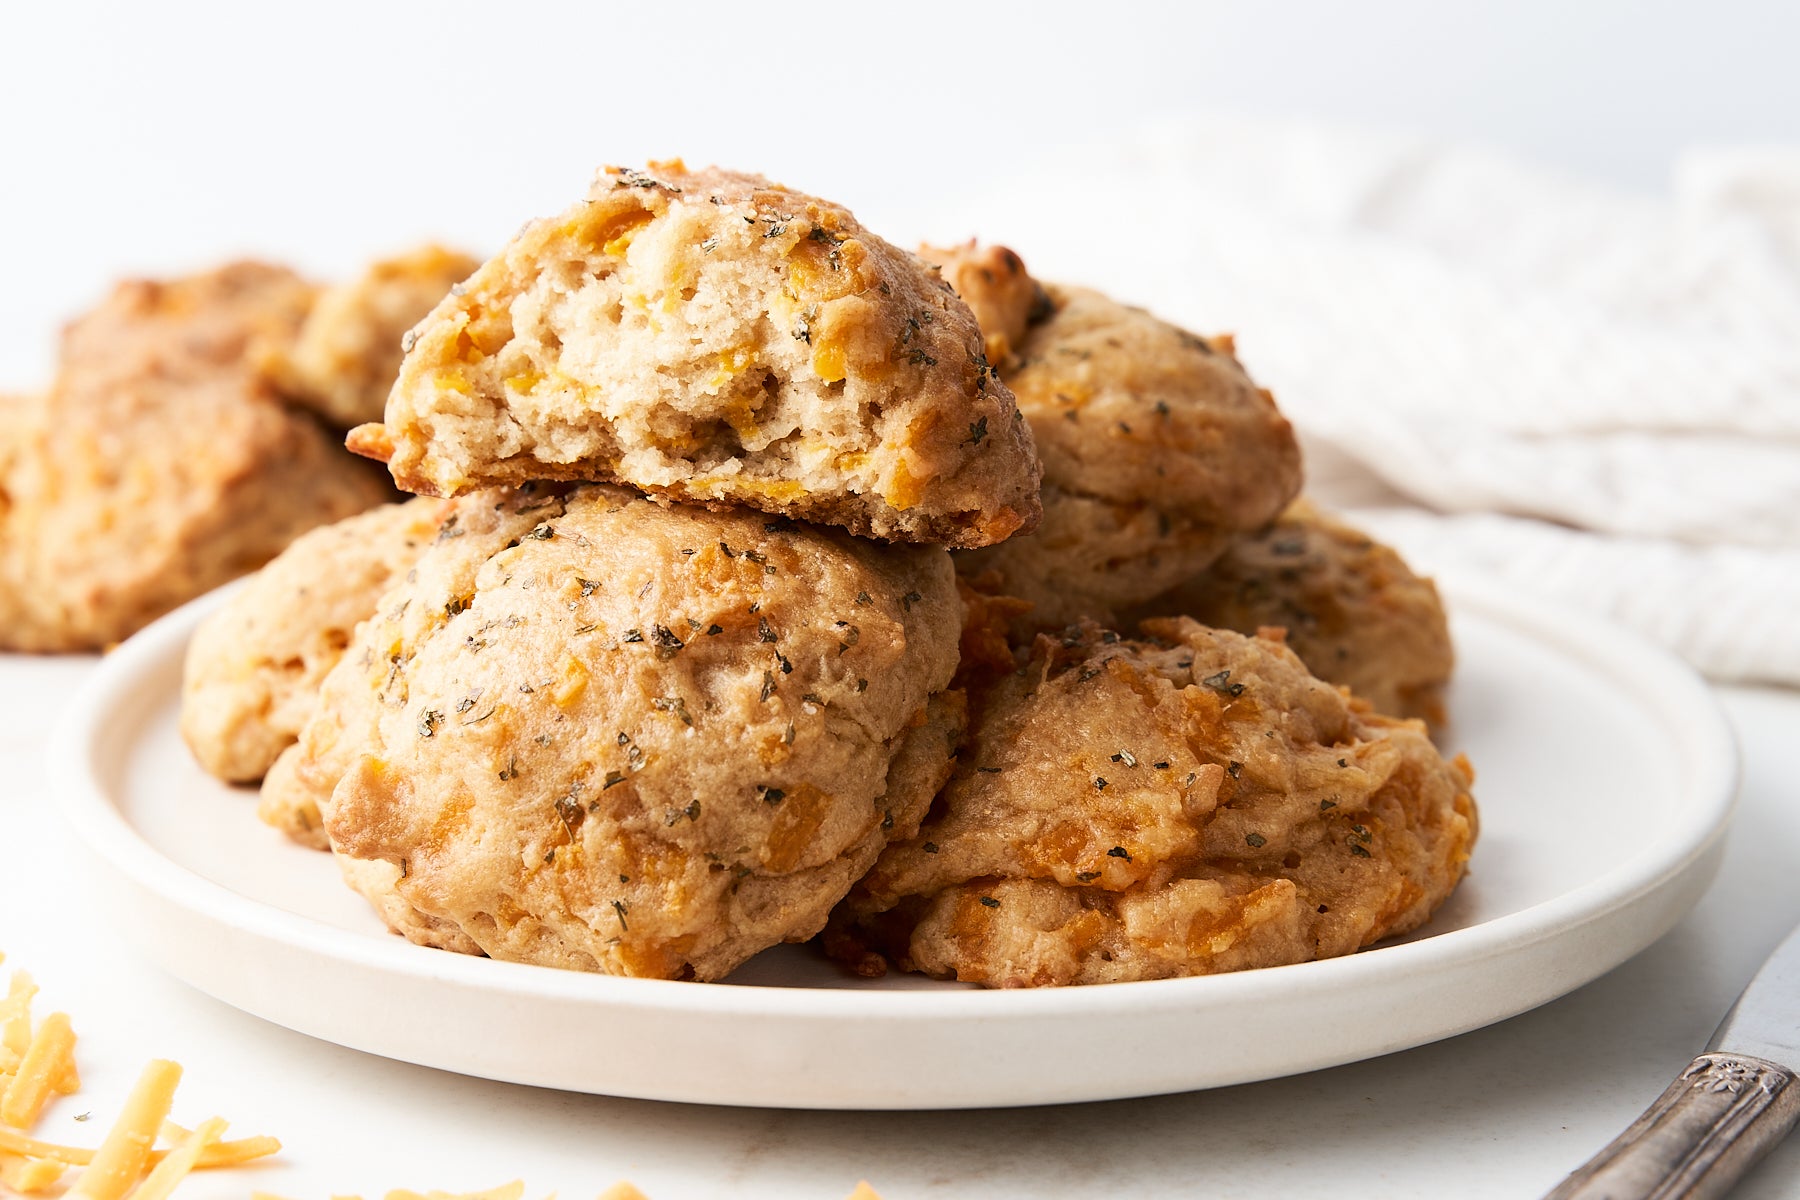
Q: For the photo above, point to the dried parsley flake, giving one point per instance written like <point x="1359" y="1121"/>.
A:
<point x="1222" y="684"/>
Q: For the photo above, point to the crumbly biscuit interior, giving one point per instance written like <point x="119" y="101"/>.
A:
<point x="680" y="348"/>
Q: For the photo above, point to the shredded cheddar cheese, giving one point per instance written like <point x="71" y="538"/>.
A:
<point x="38" y="1062"/>
<point x="46" y="1061"/>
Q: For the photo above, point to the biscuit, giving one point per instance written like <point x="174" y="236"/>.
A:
<point x="17" y="415"/>
<point x="16" y="412"/>
<point x="254" y="667"/>
<point x="182" y="326"/>
<point x="160" y="465"/>
<point x="1091" y="557"/>
<point x="1183" y="805"/>
<point x="342" y="362"/>
<point x="1132" y="408"/>
<point x="300" y="782"/>
<point x="138" y="501"/>
<point x="1005" y="299"/>
<point x="1157" y="447"/>
<point x="598" y="732"/>
<point x="712" y="337"/>
<point x="297" y="782"/>
<point x="1353" y="610"/>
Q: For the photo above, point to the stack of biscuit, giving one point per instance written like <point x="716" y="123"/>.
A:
<point x="738" y="606"/>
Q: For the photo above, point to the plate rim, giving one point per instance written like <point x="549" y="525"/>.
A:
<point x="1683" y="703"/>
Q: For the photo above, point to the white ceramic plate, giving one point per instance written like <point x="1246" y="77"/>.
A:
<point x="1606" y="778"/>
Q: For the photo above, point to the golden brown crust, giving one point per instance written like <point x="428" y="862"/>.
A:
<point x="1132" y="409"/>
<point x="993" y="282"/>
<point x="1157" y="447"/>
<point x="596" y="732"/>
<point x="371" y="441"/>
<point x="715" y="338"/>
<point x="180" y="327"/>
<point x="1147" y="809"/>
<point x="254" y="667"/>
<point x="342" y="362"/>
<point x="1092" y="557"/>
<point x="1353" y="610"/>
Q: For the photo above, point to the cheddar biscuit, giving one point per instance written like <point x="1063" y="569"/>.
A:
<point x="1184" y="804"/>
<point x="1005" y="299"/>
<point x="254" y="667"/>
<point x="182" y="327"/>
<point x="342" y="361"/>
<point x="711" y="337"/>
<point x="160" y="465"/>
<point x="17" y="415"/>
<point x="597" y="732"/>
<point x="1354" y="612"/>
<point x="1157" y="447"/>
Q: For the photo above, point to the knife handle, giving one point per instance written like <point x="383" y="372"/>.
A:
<point x="1712" y="1124"/>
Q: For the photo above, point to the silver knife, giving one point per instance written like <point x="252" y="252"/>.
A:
<point x="1729" y="1108"/>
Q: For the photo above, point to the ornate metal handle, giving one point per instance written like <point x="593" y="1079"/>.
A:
<point x="1710" y="1126"/>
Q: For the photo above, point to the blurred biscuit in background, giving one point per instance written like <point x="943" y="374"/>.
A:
<point x="342" y="362"/>
<point x="160" y="464"/>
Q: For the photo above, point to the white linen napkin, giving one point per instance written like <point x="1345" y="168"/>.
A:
<point x="1590" y="393"/>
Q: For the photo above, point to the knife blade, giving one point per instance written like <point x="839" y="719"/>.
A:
<point x="1765" y="1021"/>
<point x="1732" y="1105"/>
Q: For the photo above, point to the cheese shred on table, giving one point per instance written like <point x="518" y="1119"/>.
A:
<point x="37" y="1063"/>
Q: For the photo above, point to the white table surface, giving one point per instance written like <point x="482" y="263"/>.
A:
<point x="1504" y="1111"/>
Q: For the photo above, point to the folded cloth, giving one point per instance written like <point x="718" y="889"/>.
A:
<point x="1729" y="610"/>
<point x="1591" y="393"/>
